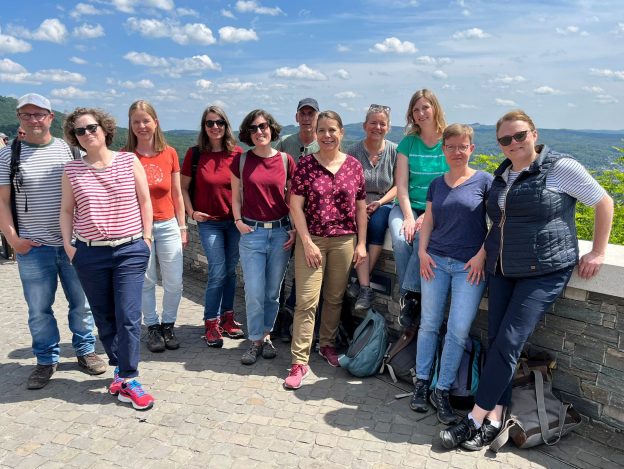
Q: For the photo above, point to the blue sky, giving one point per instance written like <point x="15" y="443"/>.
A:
<point x="561" y="61"/>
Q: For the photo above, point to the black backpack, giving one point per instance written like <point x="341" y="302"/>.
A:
<point x="400" y="361"/>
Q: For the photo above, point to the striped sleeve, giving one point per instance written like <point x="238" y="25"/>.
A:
<point x="571" y="177"/>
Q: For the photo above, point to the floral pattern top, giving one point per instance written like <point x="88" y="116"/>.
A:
<point x="329" y="198"/>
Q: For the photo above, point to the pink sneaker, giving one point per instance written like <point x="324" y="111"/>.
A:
<point x="296" y="376"/>
<point x="133" y="392"/>
<point x="115" y="386"/>
<point x="329" y="353"/>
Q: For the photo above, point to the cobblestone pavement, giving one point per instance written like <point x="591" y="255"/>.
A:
<point x="211" y="411"/>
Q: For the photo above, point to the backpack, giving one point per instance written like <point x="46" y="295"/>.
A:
<point x="400" y="361"/>
<point x="194" y="165"/>
<point x="466" y="383"/>
<point x="368" y="347"/>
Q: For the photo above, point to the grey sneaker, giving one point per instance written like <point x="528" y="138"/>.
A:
<point x="40" y="376"/>
<point x="268" y="350"/>
<point x="92" y="364"/>
<point x="251" y="355"/>
<point x="353" y="290"/>
<point x="364" y="299"/>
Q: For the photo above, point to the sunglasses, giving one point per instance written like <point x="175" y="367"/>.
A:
<point x="91" y="128"/>
<point x="518" y="137"/>
<point x="376" y="107"/>
<point x="210" y="123"/>
<point x="254" y="128"/>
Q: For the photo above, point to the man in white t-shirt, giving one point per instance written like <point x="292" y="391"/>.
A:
<point x="32" y="228"/>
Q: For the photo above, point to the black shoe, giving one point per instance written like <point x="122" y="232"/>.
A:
<point x="171" y="341"/>
<point x="419" y="397"/>
<point x="251" y="356"/>
<point x="155" y="339"/>
<point x="40" y="376"/>
<point x="364" y="299"/>
<point x="463" y="431"/>
<point x="409" y="305"/>
<point x="440" y="400"/>
<point x="483" y="438"/>
<point x="268" y="350"/>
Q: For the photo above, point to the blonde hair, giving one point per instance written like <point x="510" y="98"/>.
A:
<point x="160" y="143"/>
<point x="438" y="114"/>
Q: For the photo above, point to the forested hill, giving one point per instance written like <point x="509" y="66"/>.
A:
<point x="594" y="148"/>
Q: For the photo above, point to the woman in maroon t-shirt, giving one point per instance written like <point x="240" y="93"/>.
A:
<point x="207" y="196"/>
<point x="328" y="208"/>
<point x="260" y="191"/>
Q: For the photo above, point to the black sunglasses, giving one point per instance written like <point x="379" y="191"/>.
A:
<point x="210" y="123"/>
<point x="518" y="137"/>
<point x="80" y="131"/>
<point x="254" y="128"/>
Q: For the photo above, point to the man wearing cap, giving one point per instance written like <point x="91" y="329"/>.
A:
<point x="36" y="238"/>
<point x="4" y="139"/>
<point x="304" y="142"/>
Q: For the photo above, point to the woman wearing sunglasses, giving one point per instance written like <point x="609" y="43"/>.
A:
<point x="207" y="193"/>
<point x="378" y="157"/>
<point x="531" y="251"/>
<point x="260" y="194"/>
<point x="106" y="205"/>
<point x="162" y="168"/>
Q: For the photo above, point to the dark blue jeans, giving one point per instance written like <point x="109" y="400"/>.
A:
<point x="112" y="278"/>
<point x="515" y="306"/>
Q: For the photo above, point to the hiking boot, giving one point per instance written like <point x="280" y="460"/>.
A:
<point x="408" y="308"/>
<point x="329" y="354"/>
<point x="353" y="291"/>
<point x="213" y="335"/>
<point x="133" y="392"/>
<point x="115" y="386"/>
<point x="251" y="356"/>
<point x="40" y="376"/>
<point x="483" y="438"/>
<point x="364" y="299"/>
<point x="419" y="396"/>
<point x="268" y="350"/>
<point x="92" y="364"/>
<point x="171" y="341"/>
<point x="296" y="376"/>
<point x="230" y="327"/>
<point x="440" y="400"/>
<point x="155" y="340"/>
<point x="463" y="431"/>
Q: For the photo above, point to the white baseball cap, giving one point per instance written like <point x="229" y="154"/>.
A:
<point x="36" y="100"/>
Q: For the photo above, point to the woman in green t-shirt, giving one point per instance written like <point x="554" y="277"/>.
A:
<point x="420" y="160"/>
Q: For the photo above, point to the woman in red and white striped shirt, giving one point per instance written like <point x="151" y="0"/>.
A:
<point x="106" y="205"/>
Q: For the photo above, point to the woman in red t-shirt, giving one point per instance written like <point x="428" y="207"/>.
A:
<point x="207" y="193"/>
<point x="162" y="168"/>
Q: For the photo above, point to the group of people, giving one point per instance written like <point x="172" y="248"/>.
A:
<point x="123" y="212"/>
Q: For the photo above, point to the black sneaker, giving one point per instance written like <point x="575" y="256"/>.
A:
<point x="455" y="435"/>
<point x="251" y="356"/>
<point x="268" y="350"/>
<point x="364" y="299"/>
<point x="171" y="341"/>
<point x="440" y="400"/>
<point x="155" y="339"/>
<point x="40" y="376"/>
<point x="353" y="290"/>
<point x="419" y="397"/>
<point x="483" y="438"/>
<point x="409" y="304"/>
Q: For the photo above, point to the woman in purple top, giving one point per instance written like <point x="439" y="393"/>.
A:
<point x="328" y="208"/>
<point x="452" y="258"/>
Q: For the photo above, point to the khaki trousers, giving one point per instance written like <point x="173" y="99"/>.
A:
<point x="333" y="274"/>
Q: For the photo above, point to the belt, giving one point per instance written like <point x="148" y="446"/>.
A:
<point x="110" y="242"/>
<point x="282" y="222"/>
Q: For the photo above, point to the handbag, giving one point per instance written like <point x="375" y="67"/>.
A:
<point x="536" y="416"/>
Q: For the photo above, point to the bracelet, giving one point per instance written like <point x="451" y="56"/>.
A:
<point x="183" y="228"/>
<point x="237" y="220"/>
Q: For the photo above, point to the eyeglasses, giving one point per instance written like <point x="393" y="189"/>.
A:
<point x="210" y="123"/>
<point x="518" y="137"/>
<point x="91" y="128"/>
<point x="254" y="128"/>
<point x="454" y="148"/>
<point x="379" y="107"/>
<point x="26" y="116"/>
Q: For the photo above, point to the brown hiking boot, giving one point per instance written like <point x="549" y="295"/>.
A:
<point x="92" y="364"/>
<point x="230" y="327"/>
<point x="213" y="335"/>
<point x="41" y="376"/>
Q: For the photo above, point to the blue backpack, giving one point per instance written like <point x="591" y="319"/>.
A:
<point x="368" y="347"/>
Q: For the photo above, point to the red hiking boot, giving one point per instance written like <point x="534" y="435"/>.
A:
<point x="230" y="327"/>
<point x="213" y="335"/>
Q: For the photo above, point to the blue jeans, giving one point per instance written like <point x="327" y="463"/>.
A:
<point x="112" y="278"/>
<point x="264" y="263"/>
<point x="515" y="306"/>
<point x="220" y="242"/>
<point x="378" y="224"/>
<point x="167" y="247"/>
<point x="449" y="274"/>
<point x="39" y="270"/>
<point x="405" y="254"/>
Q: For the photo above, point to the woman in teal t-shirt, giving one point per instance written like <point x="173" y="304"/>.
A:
<point x="420" y="160"/>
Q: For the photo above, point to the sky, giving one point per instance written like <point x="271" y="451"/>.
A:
<point x="562" y="61"/>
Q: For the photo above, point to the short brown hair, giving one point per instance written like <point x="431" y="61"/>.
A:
<point x="103" y="118"/>
<point x="330" y="115"/>
<point x="160" y="143"/>
<point x="244" y="135"/>
<point x="203" y="142"/>
<point x="438" y="114"/>
<point x="515" y="115"/>
<point x="457" y="130"/>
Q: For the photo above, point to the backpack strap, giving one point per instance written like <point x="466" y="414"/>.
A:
<point x="503" y="436"/>
<point x="541" y="410"/>
<point x="16" y="151"/>
<point x="194" y="165"/>
<point x="75" y="152"/>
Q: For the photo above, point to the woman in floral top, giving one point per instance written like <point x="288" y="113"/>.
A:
<point x="328" y="208"/>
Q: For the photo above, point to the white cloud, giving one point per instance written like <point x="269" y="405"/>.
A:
<point x="19" y="78"/>
<point x="85" y="9"/>
<point x="238" y="86"/>
<point x="8" y="66"/>
<point x="505" y="102"/>
<point x="77" y="60"/>
<point x="546" y="90"/>
<point x="172" y="66"/>
<point x="508" y="79"/>
<point x="605" y="99"/>
<point x="204" y="84"/>
<point x="147" y="60"/>
<point x="394" y="45"/>
<point x="51" y="30"/>
<point x="132" y="85"/>
<point x="466" y="106"/>
<point x="439" y="74"/>
<point x="593" y="89"/>
<point x="473" y="33"/>
<point x="197" y="33"/>
<point x="342" y="74"/>
<point x="58" y="76"/>
<point x="437" y="61"/>
<point x="227" y="13"/>
<point x="71" y="92"/>
<point x="88" y="31"/>
<point x="302" y="72"/>
<point x="231" y="34"/>
<point x="346" y="95"/>
<point x="191" y="33"/>
<point x="127" y="6"/>
<point x="571" y="31"/>
<point x="20" y="75"/>
<point x="193" y="64"/>
<point x="342" y="48"/>
<point x="12" y="45"/>
<point x="255" y="7"/>
<point x="186" y="12"/>
<point x="608" y="73"/>
<point x="620" y="28"/>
